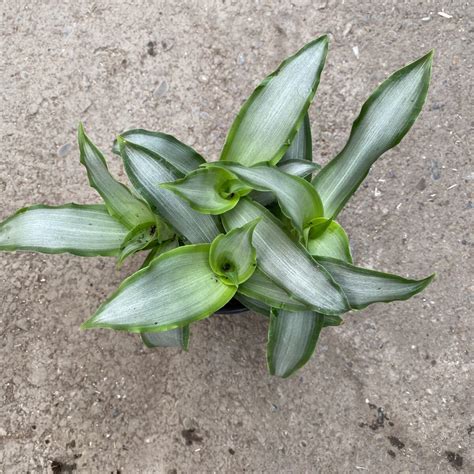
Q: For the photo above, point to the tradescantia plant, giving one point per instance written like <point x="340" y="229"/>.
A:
<point x="257" y="227"/>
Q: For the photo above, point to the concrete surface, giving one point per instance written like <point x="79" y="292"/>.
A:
<point x="387" y="392"/>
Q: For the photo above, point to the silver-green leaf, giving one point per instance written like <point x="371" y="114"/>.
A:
<point x="327" y="238"/>
<point x="363" y="286"/>
<point x="301" y="168"/>
<point x="85" y="230"/>
<point x="301" y="147"/>
<point x="292" y="338"/>
<point x="271" y="117"/>
<point x="175" y="289"/>
<point x="208" y="190"/>
<point x="177" y="154"/>
<point x="383" y="121"/>
<point x="120" y="202"/>
<point x="263" y="289"/>
<point x="178" y="337"/>
<point x="147" y="170"/>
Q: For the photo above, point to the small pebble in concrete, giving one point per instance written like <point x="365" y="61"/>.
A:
<point x="167" y="44"/>
<point x="71" y="444"/>
<point x="435" y="170"/>
<point x="161" y="90"/>
<point x="22" y="324"/>
<point x="445" y="15"/>
<point x="188" y="423"/>
<point x="150" y="48"/>
<point x="347" y="29"/>
<point x="190" y="436"/>
<point x="394" y="441"/>
<point x="421" y="184"/>
<point x="64" y="150"/>
<point x="454" y="459"/>
<point x="67" y="30"/>
<point x="34" y="106"/>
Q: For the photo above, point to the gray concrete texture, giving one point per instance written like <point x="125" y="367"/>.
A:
<point x="389" y="391"/>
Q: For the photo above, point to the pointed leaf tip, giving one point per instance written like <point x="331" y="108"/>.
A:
<point x="292" y="338"/>
<point x="269" y="120"/>
<point x="363" y="286"/>
<point x="428" y="57"/>
<point x="384" y="119"/>
<point x="324" y="39"/>
<point x="85" y="325"/>
<point x="120" y="202"/>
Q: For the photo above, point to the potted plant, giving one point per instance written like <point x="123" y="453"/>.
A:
<point x="256" y="229"/>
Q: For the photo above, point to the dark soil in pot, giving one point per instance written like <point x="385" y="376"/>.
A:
<point x="232" y="307"/>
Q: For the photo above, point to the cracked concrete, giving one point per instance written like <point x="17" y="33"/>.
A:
<point x="386" y="392"/>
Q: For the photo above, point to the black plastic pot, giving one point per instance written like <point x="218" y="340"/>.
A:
<point x="232" y="307"/>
